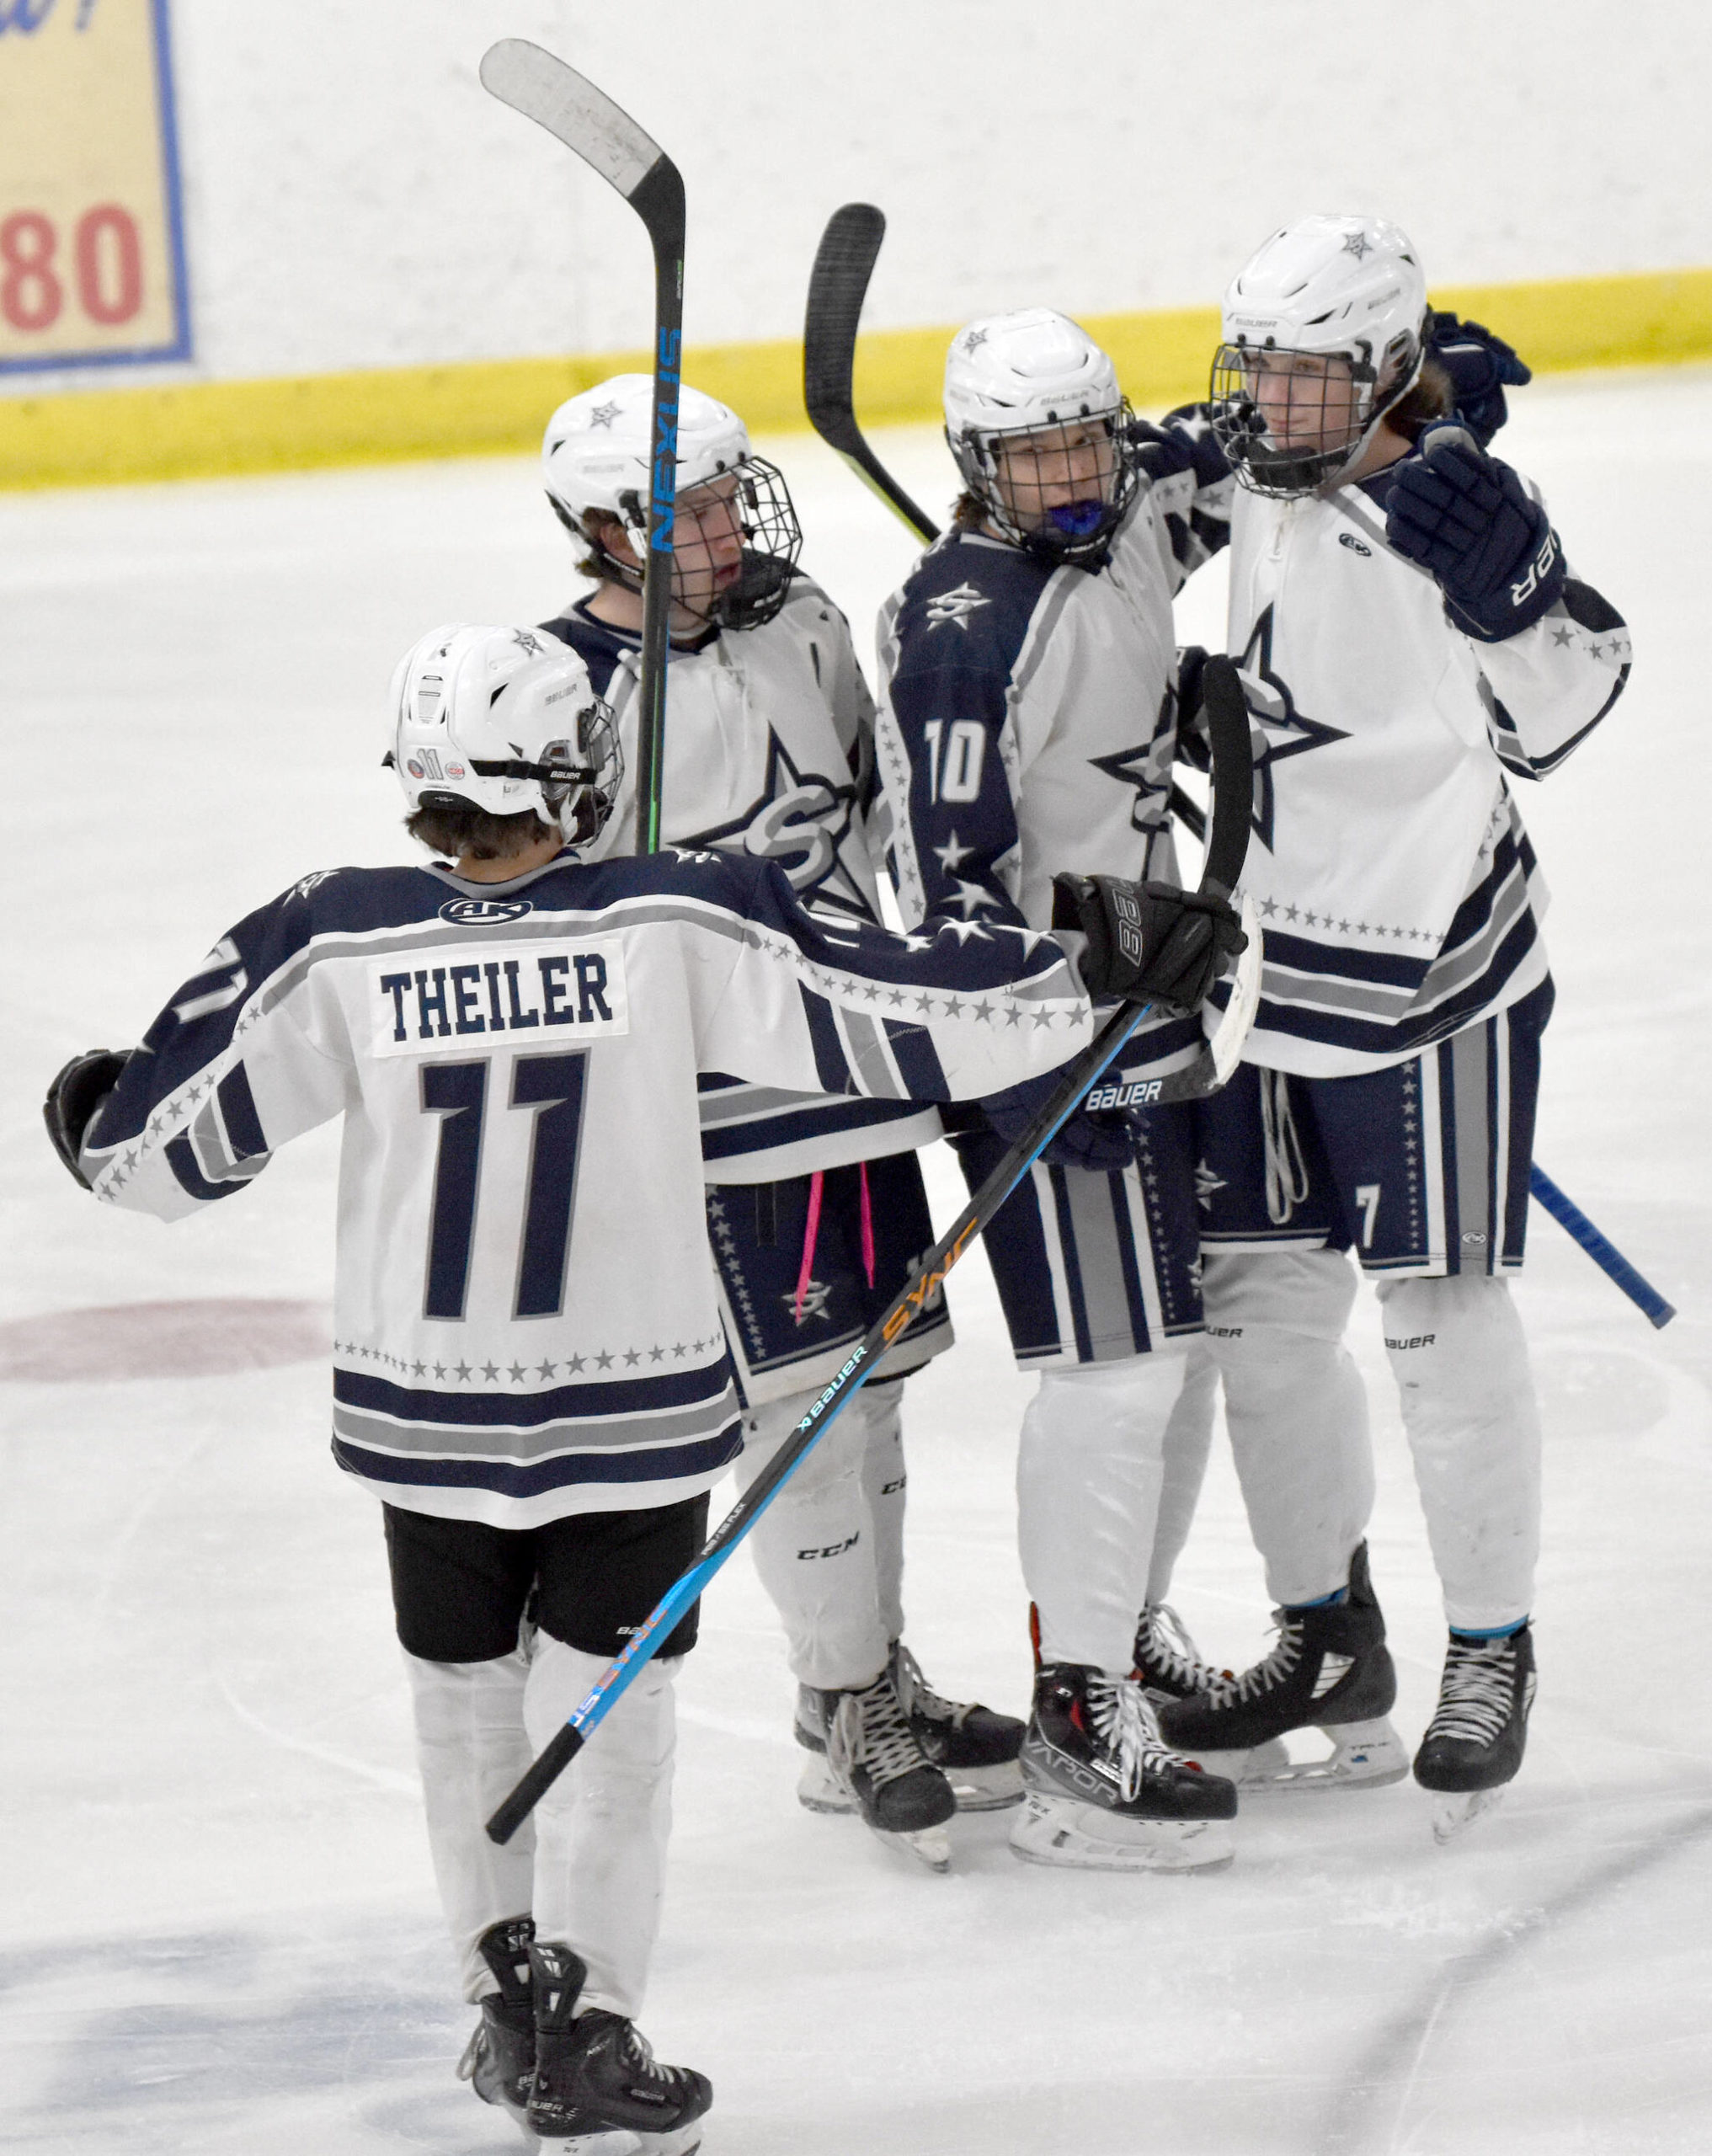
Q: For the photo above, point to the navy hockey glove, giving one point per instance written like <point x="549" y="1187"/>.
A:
<point x="75" y="1097"/>
<point x="1470" y="519"/>
<point x="1148" y="942"/>
<point x="1101" y="1141"/>
<point x="1481" y="366"/>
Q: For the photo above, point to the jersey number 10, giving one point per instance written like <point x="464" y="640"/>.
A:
<point x="552" y="1086"/>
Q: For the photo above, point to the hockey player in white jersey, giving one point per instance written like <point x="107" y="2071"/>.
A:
<point x="529" y="1368"/>
<point x="816" y="1211"/>
<point x="1414" y="640"/>
<point x="1029" y="704"/>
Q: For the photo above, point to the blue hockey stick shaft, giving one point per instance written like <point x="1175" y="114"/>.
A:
<point x="610" y="1687"/>
<point x="1569" y="1215"/>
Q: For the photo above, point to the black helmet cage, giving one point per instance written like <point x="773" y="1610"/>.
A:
<point x="772" y="540"/>
<point x="976" y="453"/>
<point x="1241" y="430"/>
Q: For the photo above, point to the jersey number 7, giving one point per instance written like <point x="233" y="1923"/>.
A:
<point x="457" y="1092"/>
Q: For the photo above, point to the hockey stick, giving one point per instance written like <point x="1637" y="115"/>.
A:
<point x="838" y="284"/>
<point x="585" y="119"/>
<point x="1232" y="783"/>
<point x="1641" y="1293"/>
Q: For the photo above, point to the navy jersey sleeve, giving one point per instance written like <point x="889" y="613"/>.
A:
<point x="955" y="652"/>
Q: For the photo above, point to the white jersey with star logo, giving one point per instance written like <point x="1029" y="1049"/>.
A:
<point x="525" y="1322"/>
<point x="769" y="752"/>
<point x="1395" y="881"/>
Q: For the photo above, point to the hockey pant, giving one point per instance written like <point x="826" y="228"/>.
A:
<point x="590" y="1862"/>
<point x="830" y="1548"/>
<point x="1297" y="1412"/>
<point x="1091" y="1483"/>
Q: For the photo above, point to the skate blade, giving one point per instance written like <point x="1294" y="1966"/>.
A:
<point x="1056" y="1831"/>
<point x="609" y="2141"/>
<point x="986" y="1789"/>
<point x="819" y="1790"/>
<point x="1454" y="1815"/>
<point x="929" y="1845"/>
<point x="1364" y="1755"/>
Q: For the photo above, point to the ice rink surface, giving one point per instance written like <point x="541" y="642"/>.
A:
<point x="220" y="1933"/>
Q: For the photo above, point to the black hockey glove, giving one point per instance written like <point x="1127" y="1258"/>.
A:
<point x="1468" y="519"/>
<point x="1148" y="943"/>
<point x="1481" y="366"/>
<point x="1103" y="1141"/>
<point x="77" y="1097"/>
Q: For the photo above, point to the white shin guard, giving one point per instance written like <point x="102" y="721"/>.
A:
<point x="1460" y="1360"/>
<point x="881" y="1405"/>
<point x="1188" y="1442"/>
<point x="1296" y="1408"/>
<point x="471" y="1751"/>
<point x="1090" y="1470"/>
<point x="815" y="1547"/>
<point x="600" y="1831"/>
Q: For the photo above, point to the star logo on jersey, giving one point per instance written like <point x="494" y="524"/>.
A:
<point x="1147" y="767"/>
<point x="602" y="415"/>
<point x="1357" y="244"/>
<point x="1206" y="1182"/>
<point x="815" y="1297"/>
<point x="800" y="820"/>
<point x="1276" y="730"/>
<point x="955" y="606"/>
<point x="952" y="856"/>
<point x="305" y="884"/>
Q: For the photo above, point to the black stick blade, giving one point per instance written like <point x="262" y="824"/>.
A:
<point x="1233" y="764"/>
<point x="838" y="284"/>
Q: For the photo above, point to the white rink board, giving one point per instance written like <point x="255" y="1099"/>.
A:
<point x="219" y="1932"/>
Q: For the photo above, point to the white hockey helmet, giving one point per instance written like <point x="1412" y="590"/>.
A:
<point x="1324" y="289"/>
<point x="1035" y="373"/>
<point x="597" y="456"/>
<point x="504" y="719"/>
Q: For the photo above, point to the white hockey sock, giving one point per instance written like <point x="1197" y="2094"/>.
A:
<point x="1090" y="1468"/>
<point x="883" y="1484"/>
<point x="1460" y="1360"/>
<point x="1296" y="1408"/>
<point x="1188" y="1441"/>
<point x="600" y="1831"/>
<point x="472" y="1749"/>
<point x="815" y="1547"/>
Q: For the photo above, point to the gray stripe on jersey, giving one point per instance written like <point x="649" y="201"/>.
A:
<point x="543" y="1441"/>
<point x="1454" y="969"/>
<point x="872" y="1057"/>
<point x="1098" y="1256"/>
<point x="1332" y="993"/>
<point x="741" y="1103"/>
<point x="1469" y="1056"/>
<point x="1044" y="619"/>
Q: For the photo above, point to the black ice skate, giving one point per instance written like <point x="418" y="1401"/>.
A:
<point x="974" y="1746"/>
<point x="499" y="2061"/>
<point x="598" y="2089"/>
<point x="869" y="1760"/>
<point x="1473" y="1743"/>
<point x="1104" y="1793"/>
<point x="1332" y="1671"/>
<point x="1167" y="1660"/>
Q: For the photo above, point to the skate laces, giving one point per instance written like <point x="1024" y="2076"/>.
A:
<point x="1267" y="1674"/>
<point x="1165" y="1648"/>
<point x="1475" y="1698"/>
<point x="916" y="1696"/>
<point x="1124" y="1720"/>
<point x="871" y="1731"/>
